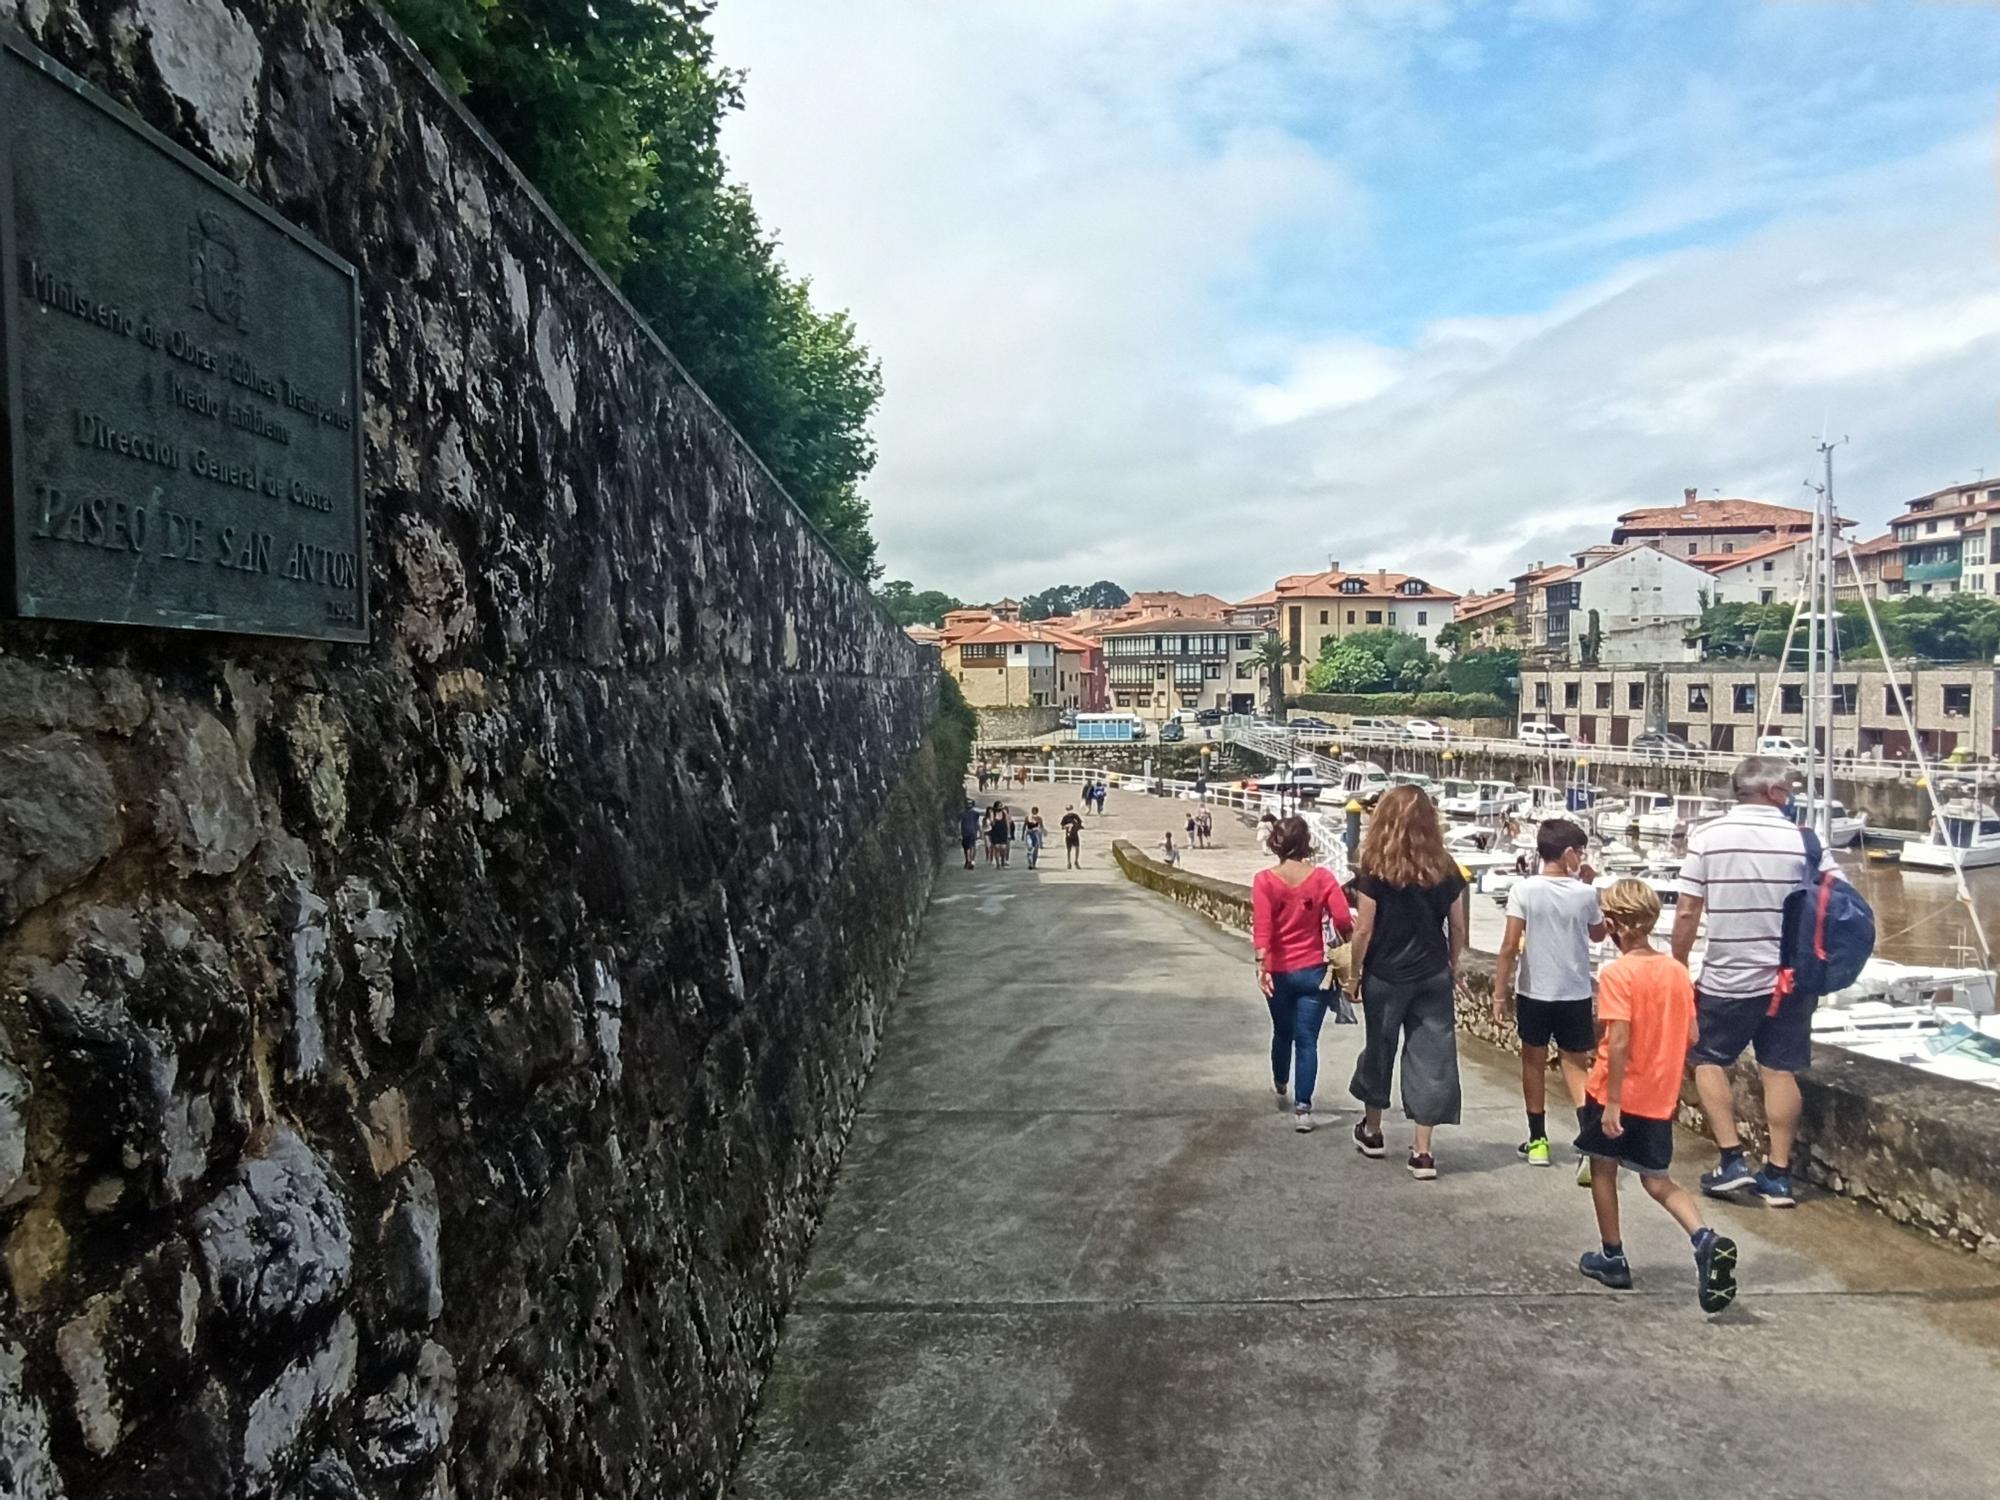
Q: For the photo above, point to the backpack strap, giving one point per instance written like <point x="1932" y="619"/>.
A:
<point x="1815" y="854"/>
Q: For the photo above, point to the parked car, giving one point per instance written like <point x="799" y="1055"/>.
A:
<point x="1424" y="729"/>
<point x="1172" y="731"/>
<point x="1308" y="722"/>
<point x="1658" y="744"/>
<point x="1541" y="732"/>
<point x="1208" y="716"/>
<point x="1067" y="718"/>
<point x="1388" y="729"/>
<point x="1782" y="745"/>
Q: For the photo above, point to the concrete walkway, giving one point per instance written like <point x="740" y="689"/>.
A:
<point x="1076" y="1251"/>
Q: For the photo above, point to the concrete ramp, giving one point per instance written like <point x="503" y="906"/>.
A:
<point x="1076" y="1251"/>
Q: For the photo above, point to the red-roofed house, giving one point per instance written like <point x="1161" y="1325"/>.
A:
<point x="1767" y="573"/>
<point x="1696" y="528"/>
<point x="1941" y="543"/>
<point x="1317" y="607"/>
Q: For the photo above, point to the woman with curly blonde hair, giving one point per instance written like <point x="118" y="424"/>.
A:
<point x="1408" y="935"/>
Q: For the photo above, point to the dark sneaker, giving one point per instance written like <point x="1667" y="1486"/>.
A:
<point x="1732" y="1176"/>
<point x="1715" y="1262"/>
<point x="1366" y="1144"/>
<point x="1615" y="1271"/>
<point x="1774" y="1187"/>
<point x="1422" y="1167"/>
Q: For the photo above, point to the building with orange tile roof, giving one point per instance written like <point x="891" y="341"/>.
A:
<point x="1314" y="608"/>
<point x="1698" y="527"/>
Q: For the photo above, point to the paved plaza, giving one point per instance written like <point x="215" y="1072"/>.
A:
<point x="1076" y="1251"/>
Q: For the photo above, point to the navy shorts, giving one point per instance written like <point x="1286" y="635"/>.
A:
<point x="1730" y="1023"/>
<point x="1646" y="1146"/>
<point x="1568" y="1023"/>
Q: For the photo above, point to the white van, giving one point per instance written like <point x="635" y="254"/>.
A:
<point x="1540" y="732"/>
<point x="1386" y="729"/>
<point x="1782" y="745"/>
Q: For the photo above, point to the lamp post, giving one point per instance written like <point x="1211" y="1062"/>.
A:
<point x="1207" y="751"/>
<point x="1048" y="774"/>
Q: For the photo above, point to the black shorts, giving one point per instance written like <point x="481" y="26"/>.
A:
<point x="1646" y="1146"/>
<point x="1727" y="1024"/>
<point x="1568" y="1023"/>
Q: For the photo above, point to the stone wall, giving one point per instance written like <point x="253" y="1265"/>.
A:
<point x="1017" y="723"/>
<point x="422" y="1063"/>
<point x="1923" y="1150"/>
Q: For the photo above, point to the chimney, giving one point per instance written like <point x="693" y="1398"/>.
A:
<point x="1381" y="574"/>
<point x="1687" y="495"/>
<point x="1333" y="565"/>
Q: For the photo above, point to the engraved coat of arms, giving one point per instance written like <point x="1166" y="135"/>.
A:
<point x="215" y="272"/>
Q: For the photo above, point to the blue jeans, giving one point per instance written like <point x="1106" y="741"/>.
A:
<point x="1298" y="1006"/>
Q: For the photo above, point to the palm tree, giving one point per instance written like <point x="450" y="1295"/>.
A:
<point x="1273" y="654"/>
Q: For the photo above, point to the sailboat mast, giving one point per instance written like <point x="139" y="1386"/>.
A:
<point x="1829" y="523"/>
<point x="1811" y="698"/>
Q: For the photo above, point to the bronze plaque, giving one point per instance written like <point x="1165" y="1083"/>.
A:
<point x="182" y="383"/>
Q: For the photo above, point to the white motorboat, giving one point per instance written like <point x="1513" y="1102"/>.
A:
<point x="1466" y="799"/>
<point x="1877" y="1020"/>
<point x="1480" y="848"/>
<point x="1886" y="981"/>
<point x="1364" y="781"/>
<point x="1504" y="795"/>
<point x="1845" y="829"/>
<point x="1963" y="835"/>
<point x="1952" y="1051"/>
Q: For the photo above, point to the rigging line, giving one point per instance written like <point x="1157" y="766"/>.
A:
<point x="1917" y="749"/>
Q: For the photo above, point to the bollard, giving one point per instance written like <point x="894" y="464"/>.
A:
<point x="1353" y="830"/>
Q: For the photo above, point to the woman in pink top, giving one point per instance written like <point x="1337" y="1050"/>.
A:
<point x="1293" y="903"/>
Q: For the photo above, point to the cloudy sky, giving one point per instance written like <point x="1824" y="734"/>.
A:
<point x="1194" y="294"/>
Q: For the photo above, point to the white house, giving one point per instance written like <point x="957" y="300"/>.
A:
<point x="1763" y="573"/>
<point x="1641" y="604"/>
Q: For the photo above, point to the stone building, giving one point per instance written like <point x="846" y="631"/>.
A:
<point x="1698" y="528"/>
<point x="1940" y="544"/>
<point x="1726" y="705"/>
<point x="1314" y="608"/>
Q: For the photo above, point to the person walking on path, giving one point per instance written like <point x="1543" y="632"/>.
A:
<point x="1169" y="851"/>
<point x="1205" y="821"/>
<point x="1556" y="916"/>
<point x="1033" y="832"/>
<point x="1072" y="829"/>
<point x="1646" y="1003"/>
<point x="968" y="829"/>
<point x="1408" y="936"/>
<point x="1193" y="831"/>
<point x="1291" y="903"/>
<point x="1739" y="869"/>
<point x="998" y="832"/>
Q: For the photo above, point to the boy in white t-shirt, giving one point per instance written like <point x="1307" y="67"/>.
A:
<point x="1552" y="919"/>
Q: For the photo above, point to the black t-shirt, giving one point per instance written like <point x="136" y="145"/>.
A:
<point x="1072" y="825"/>
<point x="1408" y="943"/>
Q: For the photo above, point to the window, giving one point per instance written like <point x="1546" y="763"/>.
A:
<point x="1791" y="699"/>
<point x="1957" y="700"/>
<point x="1541" y="695"/>
<point x="1635" y="695"/>
<point x="1423" y="617"/>
<point x="988" y="652"/>
<point x="1392" y="617"/>
<point x="1350" y="617"/>
<point x="1604" y="695"/>
<point x="1322" y="617"/>
<point x="1930" y="528"/>
<point x="1889" y="698"/>
<point x="1744" y="697"/>
<point x="1769" y="565"/>
<point x="1160" y="672"/>
<point x="1846" y="698"/>
<point x="1572" y="694"/>
<point x="1211" y="670"/>
<point x="1697" y="697"/>
<point x="1727" y="548"/>
<point x="1243" y="643"/>
<point x="1691" y="549"/>
<point x="1351" y="585"/>
<point x="1765" y="596"/>
<point x="1374" y="617"/>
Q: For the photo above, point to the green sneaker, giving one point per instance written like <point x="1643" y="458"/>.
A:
<point x="1583" y="1171"/>
<point x="1538" y="1151"/>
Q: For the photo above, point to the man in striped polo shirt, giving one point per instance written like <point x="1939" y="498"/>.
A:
<point x="1739" y="869"/>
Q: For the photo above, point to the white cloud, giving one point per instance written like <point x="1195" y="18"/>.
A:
<point x="1055" y="223"/>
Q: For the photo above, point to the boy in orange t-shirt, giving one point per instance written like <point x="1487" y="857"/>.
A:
<point x="1645" y="1002"/>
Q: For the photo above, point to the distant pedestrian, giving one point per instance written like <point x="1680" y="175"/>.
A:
<point x="1205" y="821"/>
<point x="1646" y="1003"/>
<point x="1168" y="851"/>
<point x="969" y="821"/>
<point x="1033" y="833"/>
<point x="1193" y="831"/>
<point x="1201" y="786"/>
<point x="1072" y="828"/>
<point x="997" y="835"/>
<point x="1291" y="905"/>
<point x="1020" y="776"/>
<point x="1408" y="936"/>
<point x="1552" y="919"/>
<point x="1739" y="869"/>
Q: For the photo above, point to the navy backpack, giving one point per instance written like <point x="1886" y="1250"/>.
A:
<point x="1829" y="933"/>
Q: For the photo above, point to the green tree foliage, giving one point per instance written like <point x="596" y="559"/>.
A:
<point x="1493" y="672"/>
<point x="1068" y="598"/>
<point x="614" y="110"/>
<point x="1923" y="627"/>
<point x="911" y="607"/>
<point x="1273" y="656"/>
<point x="1372" y="661"/>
